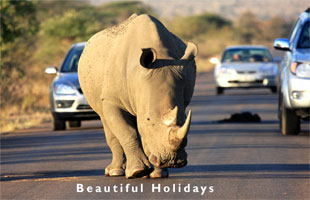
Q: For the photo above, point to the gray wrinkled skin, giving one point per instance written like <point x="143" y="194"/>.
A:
<point x="139" y="78"/>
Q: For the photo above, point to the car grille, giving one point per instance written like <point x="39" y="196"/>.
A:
<point x="80" y="90"/>
<point x="246" y="72"/>
<point x="83" y="107"/>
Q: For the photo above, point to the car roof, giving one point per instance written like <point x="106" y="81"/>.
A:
<point x="305" y="16"/>
<point x="79" y="45"/>
<point x="247" y="47"/>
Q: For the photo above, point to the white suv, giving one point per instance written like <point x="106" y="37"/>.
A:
<point x="294" y="91"/>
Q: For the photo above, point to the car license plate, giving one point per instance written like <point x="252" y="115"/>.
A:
<point x="247" y="78"/>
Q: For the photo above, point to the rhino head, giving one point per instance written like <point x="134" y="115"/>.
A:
<point x="165" y="89"/>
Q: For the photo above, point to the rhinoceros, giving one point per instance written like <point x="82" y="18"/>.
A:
<point x="139" y="78"/>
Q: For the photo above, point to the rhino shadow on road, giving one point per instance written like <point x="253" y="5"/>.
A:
<point x="46" y="175"/>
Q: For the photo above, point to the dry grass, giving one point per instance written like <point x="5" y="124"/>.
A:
<point x="23" y="121"/>
<point x="26" y="103"/>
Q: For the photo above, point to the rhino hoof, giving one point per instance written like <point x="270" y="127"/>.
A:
<point x="114" y="172"/>
<point x="160" y="173"/>
<point x="138" y="172"/>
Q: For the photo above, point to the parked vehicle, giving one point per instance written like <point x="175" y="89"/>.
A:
<point x="245" y="67"/>
<point x="66" y="97"/>
<point x="294" y="95"/>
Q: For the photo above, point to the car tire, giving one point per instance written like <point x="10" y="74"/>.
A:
<point x="73" y="124"/>
<point x="219" y="90"/>
<point x="274" y="89"/>
<point x="289" y="121"/>
<point x="59" y="124"/>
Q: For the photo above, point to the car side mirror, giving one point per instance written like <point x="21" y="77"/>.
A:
<point x="282" y="44"/>
<point x="52" y="70"/>
<point x="214" y="60"/>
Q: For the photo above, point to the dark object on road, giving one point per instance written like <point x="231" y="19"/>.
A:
<point x="242" y="117"/>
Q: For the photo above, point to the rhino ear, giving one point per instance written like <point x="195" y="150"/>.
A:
<point x="148" y="57"/>
<point x="190" y="51"/>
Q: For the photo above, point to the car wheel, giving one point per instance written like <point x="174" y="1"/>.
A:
<point x="289" y="121"/>
<point x="219" y="90"/>
<point x="74" y="124"/>
<point x="274" y="89"/>
<point x="59" y="125"/>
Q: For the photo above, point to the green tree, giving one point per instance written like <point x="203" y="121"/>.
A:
<point x="18" y="19"/>
<point x="57" y="34"/>
<point x="18" y="28"/>
<point x="47" y="9"/>
<point x="248" y="27"/>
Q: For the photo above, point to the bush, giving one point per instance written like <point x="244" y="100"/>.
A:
<point x="19" y="25"/>
<point x="194" y="26"/>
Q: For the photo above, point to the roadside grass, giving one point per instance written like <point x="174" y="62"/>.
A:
<point x="23" y="121"/>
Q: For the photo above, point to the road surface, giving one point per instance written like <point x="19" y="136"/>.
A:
<point x="225" y="160"/>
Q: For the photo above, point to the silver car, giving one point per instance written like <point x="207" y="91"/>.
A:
<point x="245" y="67"/>
<point x="294" y="94"/>
<point x="66" y="97"/>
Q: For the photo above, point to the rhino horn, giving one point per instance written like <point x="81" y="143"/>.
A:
<point x="182" y="131"/>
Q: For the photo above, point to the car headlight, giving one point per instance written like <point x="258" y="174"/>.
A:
<point x="227" y="70"/>
<point x="64" y="89"/>
<point x="301" y="69"/>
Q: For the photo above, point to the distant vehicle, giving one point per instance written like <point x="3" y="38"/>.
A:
<point x="294" y="87"/>
<point x="66" y="97"/>
<point x="245" y="67"/>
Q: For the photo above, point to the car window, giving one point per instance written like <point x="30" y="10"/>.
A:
<point x="247" y="55"/>
<point x="71" y="61"/>
<point x="294" y="31"/>
<point x="304" y="38"/>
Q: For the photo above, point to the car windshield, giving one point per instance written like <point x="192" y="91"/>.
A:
<point x="247" y="55"/>
<point x="72" y="60"/>
<point x="304" y="39"/>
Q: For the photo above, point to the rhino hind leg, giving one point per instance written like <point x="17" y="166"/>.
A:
<point x="160" y="173"/>
<point x="123" y="127"/>
<point x="117" y="166"/>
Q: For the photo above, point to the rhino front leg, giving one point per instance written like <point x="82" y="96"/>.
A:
<point x="117" y="166"/>
<point x="159" y="173"/>
<point x="124" y="128"/>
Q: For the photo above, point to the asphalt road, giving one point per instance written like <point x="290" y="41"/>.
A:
<point x="225" y="160"/>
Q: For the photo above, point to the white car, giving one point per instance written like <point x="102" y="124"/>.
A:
<point x="245" y="67"/>
<point x="294" y="88"/>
